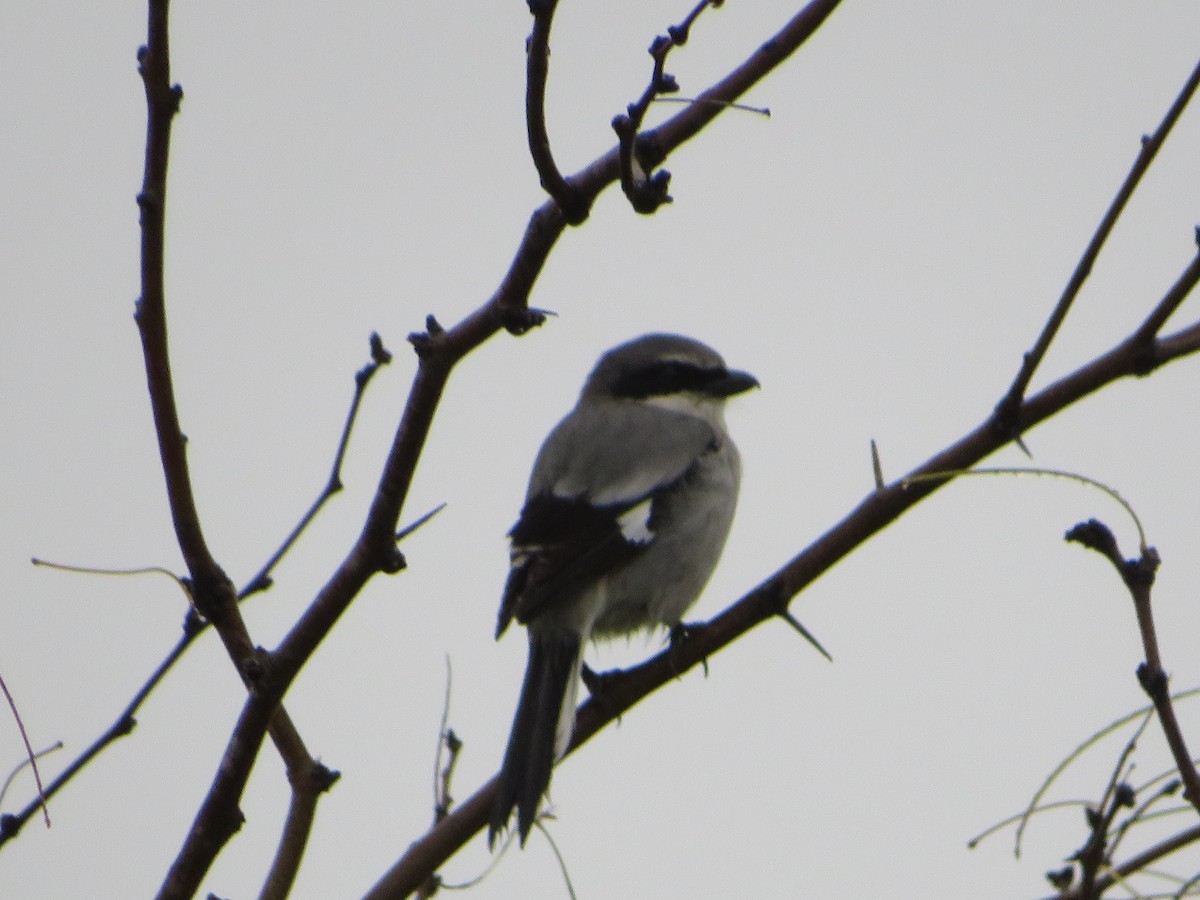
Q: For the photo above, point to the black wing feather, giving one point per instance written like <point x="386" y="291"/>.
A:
<point x="559" y="547"/>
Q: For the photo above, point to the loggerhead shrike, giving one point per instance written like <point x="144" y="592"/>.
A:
<point x="627" y="511"/>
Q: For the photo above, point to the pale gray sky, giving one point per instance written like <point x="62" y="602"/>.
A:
<point x="880" y="253"/>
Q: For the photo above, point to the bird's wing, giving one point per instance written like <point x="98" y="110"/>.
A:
<point x="591" y="498"/>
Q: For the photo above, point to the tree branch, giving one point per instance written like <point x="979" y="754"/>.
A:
<point x="194" y="625"/>
<point x="438" y="351"/>
<point x="771" y="598"/>
<point x="380" y="356"/>
<point x="306" y="791"/>
<point x="212" y="590"/>
<point x="1006" y="410"/>
<point x="574" y="205"/>
<point x="124" y="723"/>
<point x="1138" y="578"/>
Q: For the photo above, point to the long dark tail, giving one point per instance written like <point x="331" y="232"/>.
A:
<point x="525" y="775"/>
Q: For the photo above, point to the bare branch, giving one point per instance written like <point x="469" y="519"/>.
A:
<point x="362" y="378"/>
<point x="213" y="591"/>
<point x="647" y="192"/>
<point x="1138" y="577"/>
<point x="1135" y="864"/>
<point x="194" y="625"/>
<point x="306" y="790"/>
<point x="878" y="510"/>
<point x="121" y="726"/>
<point x="1007" y="408"/>
<point x="574" y="204"/>
<point x="1171" y="302"/>
<point x="30" y="756"/>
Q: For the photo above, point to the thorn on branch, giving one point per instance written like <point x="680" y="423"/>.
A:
<point x="876" y="466"/>
<point x="778" y="600"/>
<point x="409" y="529"/>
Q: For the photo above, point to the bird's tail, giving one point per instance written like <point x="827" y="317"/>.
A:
<point x="541" y="729"/>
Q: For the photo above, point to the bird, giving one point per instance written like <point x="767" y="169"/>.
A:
<point x="630" y="501"/>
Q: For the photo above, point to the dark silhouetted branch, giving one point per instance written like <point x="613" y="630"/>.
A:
<point x="879" y="509"/>
<point x="1005" y="416"/>
<point x="647" y="192"/>
<point x="380" y="356"/>
<point x="1138" y="577"/>
<point x="31" y="758"/>
<point x="574" y="204"/>
<point x="438" y="351"/>
<point x="306" y="791"/>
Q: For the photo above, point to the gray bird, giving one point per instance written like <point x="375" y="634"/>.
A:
<point x="628" y="508"/>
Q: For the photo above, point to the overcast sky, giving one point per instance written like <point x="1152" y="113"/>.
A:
<point x="880" y="252"/>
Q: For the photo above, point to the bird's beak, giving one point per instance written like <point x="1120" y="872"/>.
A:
<point x="732" y="382"/>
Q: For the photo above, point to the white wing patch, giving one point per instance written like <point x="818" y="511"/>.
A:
<point x="635" y="523"/>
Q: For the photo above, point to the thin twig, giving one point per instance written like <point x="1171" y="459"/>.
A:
<point x="1035" y="802"/>
<point x="362" y="378"/>
<point x="1138" y="577"/>
<point x="30" y="756"/>
<point x="1048" y="473"/>
<point x="20" y="767"/>
<point x="1141" y="813"/>
<point x="443" y="775"/>
<point x="121" y="726"/>
<point x="648" y="192"/>
<point x="1092" y="855"/>
<point x="1005" y="414"/>
<point x="193" y="625"/>
<point x="575" y="205"/>
<point x="1134" y="864"/>
<point x="763" y="111"/>
<point x="1166" y="307"/>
